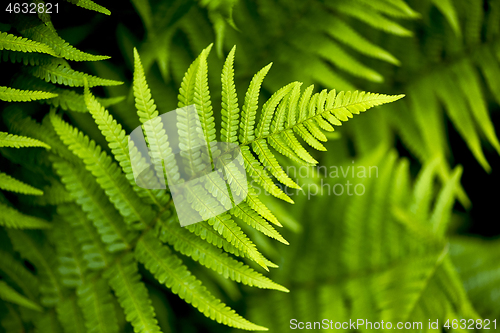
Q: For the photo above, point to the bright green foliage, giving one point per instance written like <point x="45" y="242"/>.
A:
<point x="44" y="50"/>
<point x="16" y="141"/>
<point x="109" y="254"/>
<point x="109" y="177"/>
<point x="11" y="184"/>
<point x="124" y="278"/>
<point x="17" y="95"/>
<point x="211" y="257"/>
<point x="229" y="111"/>
<point x="12" y="218"/>
<point x="168" y="269"/>
<point x="478" y="267"/>
<point x="15" y="43"/>
<point x="61" y="73"/>
<point x="387" y="256"/>
<point x="110" y="217"/>
<point x="8" y="294"/>
<point x="90" y="5"/>
<point x="31" y="28"/>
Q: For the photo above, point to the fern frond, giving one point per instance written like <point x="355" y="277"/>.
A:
<point x="32" y="247"/>
<point x="198" y="249"/>
<point x="372" y="18"/>
<point x="119" y="144"/>
<point x="157" y="139"/>
<point x="260" y="175"/>
<point x="132" y="295"/>
<point x="93" y="250"/>
<point x="202" y="99"/>
<point x="34" y="29"/>
<point x="461" y="118"/>
<point x="13" y="185"/>
<point x="17" y="273"/>
<point x="447" y="8"/>
<point x="85" y="191"/>
<point x="229" y="111"/>
<point x="341" y="31"/>
<point x="12" y="218"/>
<point x="440" y="217"/>
<point x="476" y="262"/>
<point x="66" y="99"/>
<point x="203" y="203"/>
<point x="61" y="73"/>
<point x="186" y="91"/>
<point x="395" y="8"/>
<point x="17" y="95"/>
<point x="108" y="175"/>
<point x="469" y="82"/>
<point x="26" y="58"/>
<point x="16" y="141"/>
<point x="9" y="294"/>
<point x="90" y="5"/>
<point x="169" y="270"/>
<point x="94" y="298"/>
<point x="253" y="219"/>
<point x="70" y="316"/>
<point x="251" y="104"/>
<point x="15" y="43"/>
<point x="72" y="267"/>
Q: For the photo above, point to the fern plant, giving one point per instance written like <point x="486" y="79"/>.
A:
<point x="382" y="256"/>
<point x="45" y="56"/>
<point x="113" y="224"/>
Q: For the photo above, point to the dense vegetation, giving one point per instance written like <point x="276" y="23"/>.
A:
<point x="385" y="217"/>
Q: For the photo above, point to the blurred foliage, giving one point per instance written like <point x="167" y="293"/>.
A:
<point x="402" y="251"/>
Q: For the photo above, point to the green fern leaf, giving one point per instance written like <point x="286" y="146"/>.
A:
<point x="447" y="8"/>
<point x="188" y="84"/>
<point x="17" y="95"/>
<point x="249" y="110"/>
<point x="34" y="29"/>
<point x="8" y="294"/>
<point x="477" y="265"/>
<point x="70" y="316"/>
<point x="11" y="184"/>
<point x="108" y="175"/>
<point x="31" y="246"/>
<point x="94" y="298"/>
<point x="66" y="99"/>
<point x="244" y="212"/>
<point x="61" y="73"/>
<point x="469" y="82"/>
<point x="202" y="99"/>
<point x="440" y="216"/>
<point x="372" y="18"/>
<point x="341" y="31"/>
<point x="204" y="203"/>
<point x="15" y="43"/>
<point x="12" y="218"/>
<point x="90" y="5"/>
<point x="119" y="144"/>
<point x="153" y="127"/>
<point x="132" y="294"/>
<point x="85" y="191"/>
<point x="19" y="274"/>
<point x="230" y="112"/>
<point x="92" y="248"/>
<point x="210" y="256"/>
<point x="26" y="58"/>
<point x="169" y="270"/>
<point x="261" y="175"/>
<point x="72" y="267"/>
